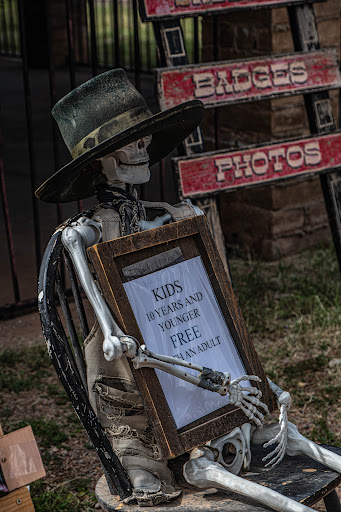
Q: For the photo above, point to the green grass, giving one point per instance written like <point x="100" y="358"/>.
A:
<point x="23" y="370"/>
<point x="76" y="496"/>
<point x="293" y="312"/>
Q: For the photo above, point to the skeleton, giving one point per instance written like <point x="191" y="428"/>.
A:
<point x="207" y="466"/>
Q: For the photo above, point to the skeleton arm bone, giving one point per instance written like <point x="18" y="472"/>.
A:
<point x="156" y="223"/>
<point x="76" y="239"/>
<point x="160" y="221"/>
<point x="208" y="379"/>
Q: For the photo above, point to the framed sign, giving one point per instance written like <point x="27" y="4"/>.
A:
<point x="218" y="171"/>
<point x="228" y="82"/>
<point x="167" y="287"/>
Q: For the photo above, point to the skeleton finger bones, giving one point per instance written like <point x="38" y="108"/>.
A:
<point x="248" y="403"/>
<point x="284" y="403"/>
<point x="299" y="445"/>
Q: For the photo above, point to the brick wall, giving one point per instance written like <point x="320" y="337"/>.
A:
<point x="282" y="219"/>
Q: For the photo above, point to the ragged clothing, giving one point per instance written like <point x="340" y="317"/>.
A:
<point x="114" y="395"/>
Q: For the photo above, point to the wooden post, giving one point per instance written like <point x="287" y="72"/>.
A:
<point x="320" y="114"/>
<point x="172" y="52"/>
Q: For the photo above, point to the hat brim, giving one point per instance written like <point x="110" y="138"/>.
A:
<point x="77" y="180"/>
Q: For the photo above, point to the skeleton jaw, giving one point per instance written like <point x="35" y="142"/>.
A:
<point x="133" y="173"/>
<point x="129" y="164"/>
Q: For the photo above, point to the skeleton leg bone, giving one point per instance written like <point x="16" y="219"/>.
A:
<point x="203" y="472"/>
<point x="299" y="445"/>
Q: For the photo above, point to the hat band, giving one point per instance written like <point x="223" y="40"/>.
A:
<point x="110" y="129"/>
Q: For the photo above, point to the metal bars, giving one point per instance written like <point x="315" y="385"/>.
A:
<point x="78" y="39"/>
<point x="320" y="115"/>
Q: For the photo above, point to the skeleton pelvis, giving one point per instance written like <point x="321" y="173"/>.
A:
<point x="233" y="449"/>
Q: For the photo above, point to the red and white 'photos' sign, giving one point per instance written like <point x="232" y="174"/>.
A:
<point x="234" y="81"/>
<point x="156" y="9"/>
<point x="228" y="170"/>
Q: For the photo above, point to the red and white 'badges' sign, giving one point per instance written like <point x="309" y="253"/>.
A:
<point x="248" y="80"/>
<point x="229" y="170"/>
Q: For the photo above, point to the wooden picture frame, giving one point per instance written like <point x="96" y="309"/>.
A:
<point x="142" y="255"/>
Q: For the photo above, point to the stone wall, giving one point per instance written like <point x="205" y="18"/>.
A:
<point x="275" y="220"/>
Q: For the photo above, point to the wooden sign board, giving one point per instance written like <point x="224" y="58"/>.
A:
<point x="217" y="171"/>
<point x="17" y="501"/>
<point x="20" y="459"/>
<point x="153" y="10"/>
<point x="223" y="83"/>
<point x="167" y="287"/>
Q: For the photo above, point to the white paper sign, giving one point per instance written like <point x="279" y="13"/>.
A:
<point x="179" y="316"/>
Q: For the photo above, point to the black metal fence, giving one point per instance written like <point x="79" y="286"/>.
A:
<point x="44" y="53"/>
<point x="117" y="29"/>
<point x="9" y="31"/>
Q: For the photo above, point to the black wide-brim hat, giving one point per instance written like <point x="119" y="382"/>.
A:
<point x="100" y="117"/>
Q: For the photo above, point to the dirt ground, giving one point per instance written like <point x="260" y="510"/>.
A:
<point x="22" y="331"/>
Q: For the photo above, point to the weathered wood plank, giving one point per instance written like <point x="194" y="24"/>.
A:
<point x="230" y="82"/>
<point x="20" y="459"/>
<point x="19" y="500"/>
<point x="154" y="10"/>
<point x="320" y="115"/>
<point x="256" y="165"/>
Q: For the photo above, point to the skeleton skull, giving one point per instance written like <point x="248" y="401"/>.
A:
<point x="129" y="164"/>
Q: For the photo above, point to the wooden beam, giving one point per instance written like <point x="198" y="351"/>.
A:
<point x="17" y="501"/>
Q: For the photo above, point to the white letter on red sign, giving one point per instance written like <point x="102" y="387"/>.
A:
<point x="242" y="79"/>
<point x="260" y="169"/>
<point x="295" y="163"/>
<point x="312" y="153"/>
<point x="298" y="73"/>
<point x="223" y="165"/>
<point x="276" y="153"/>
<point x="280" y="73"/>
<point x="223" y="86"/>
<point x="204" y="84"/>
<point x="182" y="3"/>
<point x="242" y="164"/>
<point x="261" y="77"/>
